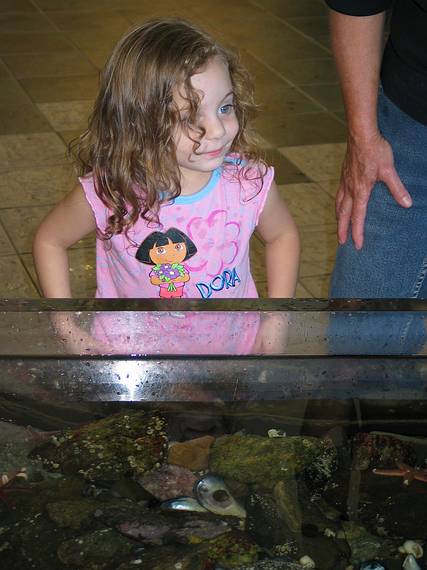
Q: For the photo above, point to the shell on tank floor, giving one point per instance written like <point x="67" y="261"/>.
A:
<point x="213" y="494"/>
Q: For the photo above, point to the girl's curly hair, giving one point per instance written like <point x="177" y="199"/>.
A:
<point x="129" y="147"/>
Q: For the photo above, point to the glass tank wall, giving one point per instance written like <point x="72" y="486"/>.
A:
<point x="252" y="435"/>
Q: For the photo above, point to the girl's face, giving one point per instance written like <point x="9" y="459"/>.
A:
<point x="170" y="253"/>
<point x="216" y="116"/>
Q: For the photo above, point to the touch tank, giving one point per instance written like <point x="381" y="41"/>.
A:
<point x="206" y="436"/>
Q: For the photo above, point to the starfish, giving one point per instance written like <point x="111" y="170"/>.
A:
<point x="405" y="471"/>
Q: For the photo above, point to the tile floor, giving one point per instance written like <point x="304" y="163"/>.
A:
<point x="50" y="55"/>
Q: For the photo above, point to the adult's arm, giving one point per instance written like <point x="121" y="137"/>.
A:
<point x="357" y="46"/>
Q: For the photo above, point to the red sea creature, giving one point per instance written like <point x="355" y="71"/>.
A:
<point x="407" y="473"/>
<point x="8" y="480"/>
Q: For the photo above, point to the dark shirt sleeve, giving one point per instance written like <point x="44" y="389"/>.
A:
<point x="359" y="7"/>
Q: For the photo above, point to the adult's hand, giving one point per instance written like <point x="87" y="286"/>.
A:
<point x="366" y="162"/>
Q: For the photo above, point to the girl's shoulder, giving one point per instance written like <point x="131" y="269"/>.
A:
<point x="87" y="182"/>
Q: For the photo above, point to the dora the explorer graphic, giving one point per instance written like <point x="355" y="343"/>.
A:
<point x="167" y="251"/>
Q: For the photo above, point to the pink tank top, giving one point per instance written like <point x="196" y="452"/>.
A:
<point x="199" y="250"/>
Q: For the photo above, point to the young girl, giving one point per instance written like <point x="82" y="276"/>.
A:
<point x="170" y="178"/>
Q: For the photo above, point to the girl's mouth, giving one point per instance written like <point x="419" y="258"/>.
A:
<point x="214" y="153"/>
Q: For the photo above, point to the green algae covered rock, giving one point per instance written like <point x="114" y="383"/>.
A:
<point x="119" y="445"/>
<point x="233" y="549"/>
<point x="366" y="546"/>
<point x="265" y="461"/>
<point x="99" y="549"/>
<point x="73" y="514"/>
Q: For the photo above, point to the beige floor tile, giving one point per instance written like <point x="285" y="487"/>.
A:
<point x="4" y="72"/>
<point x="330" y="186"/>
<point x="318" y="251"/>
<point x="316" y="27"/>
<point x="55" y="89"/>
<point x="275" y="97"/>
<point x="94" y="39"/>
<point x="49" y="64"/>
<point x="319" y="71"/>
<point x="15" y="281"/>
<point x="328" y="95"/>
<point x="22" y="118"/>
<point x="6" y="247"/>
<point x="82" y="271"/>
<point x="161" y="9"/>
<point x="254" y="28"/>
<point x="21" y="224"/>
<point x="17" y="6"/>
<point x="83" y="4"/>
<point x="11" y="93"/>
<point x="309" y="204"/>
<point x="317" y="286"/>
<point x="69" y="136"/>
<point x="98" y="57"/>
<point x="11" y="43"/>
<point x="265" y="144"/>
<point x="318" y="255"/>
<point x="275" y="42"/>
<point x="67" y="115"/>
<point x="259" y="273"/>
<point x="300" y="129"/>
<point x="284" y="45"/>
<point x="292" y="8"/>
<point x="36" y="186"/>
<point x="274" y="94"/>
<point x="302" y="292"/>
<point x="285" y="172"/>
<point x="28" y="262"/>
<point x="319" y="162"/>
<point x="17" y="151"/>
<point x="261" y="287"/>
<point x="24" y="22"/>
<point x="100" y="20"/>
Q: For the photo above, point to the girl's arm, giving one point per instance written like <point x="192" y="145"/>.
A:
<point x="68" y="222"/>
<point x="282" y="246"/>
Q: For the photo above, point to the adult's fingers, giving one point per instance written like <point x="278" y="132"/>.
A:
<point x="344" y="209"/>
<point x="396" y="188"/>
<point x="358" y="222"/>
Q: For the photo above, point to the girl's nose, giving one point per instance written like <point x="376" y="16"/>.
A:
<point x="214" y="128"/>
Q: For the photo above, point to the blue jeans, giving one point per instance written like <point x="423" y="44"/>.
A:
<point x="393" y="260"/>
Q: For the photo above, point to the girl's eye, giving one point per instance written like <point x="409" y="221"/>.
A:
<point x="178" y="246"/>
<point x="161" y="250"/>
<point x="226" y="109"/>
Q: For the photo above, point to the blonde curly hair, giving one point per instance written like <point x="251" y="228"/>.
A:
<point x="129" y="147"/>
